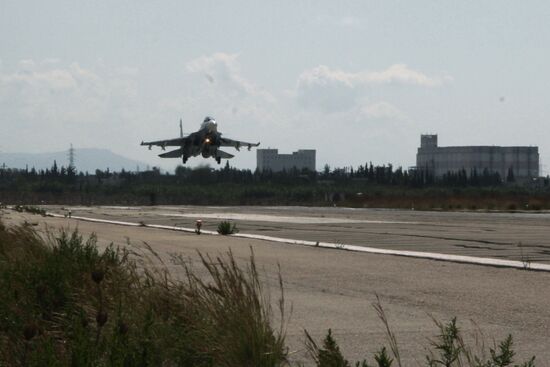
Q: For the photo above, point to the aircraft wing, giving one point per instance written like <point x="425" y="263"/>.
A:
<point x="165" y="143"/>
<point x="226" y="142"/>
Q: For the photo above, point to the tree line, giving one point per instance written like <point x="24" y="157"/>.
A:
<point x="232" y="186"/>
<point x="369" y="174"/>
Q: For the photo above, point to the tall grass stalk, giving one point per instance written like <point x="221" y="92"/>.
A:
<point x="65" y="302"/>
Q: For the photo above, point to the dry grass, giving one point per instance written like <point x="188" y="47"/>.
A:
<point x="66" y="303"/>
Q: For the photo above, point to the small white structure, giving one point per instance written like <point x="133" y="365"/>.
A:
<point x="270" y="159"/>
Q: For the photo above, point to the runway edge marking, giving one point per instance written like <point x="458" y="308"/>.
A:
<point x="365" y="249"/>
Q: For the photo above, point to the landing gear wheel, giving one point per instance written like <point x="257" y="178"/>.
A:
<point x="184" y="160"/>
<point x="219" y="160"/>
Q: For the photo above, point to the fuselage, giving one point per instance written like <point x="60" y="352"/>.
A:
<point x="205" y="141"/>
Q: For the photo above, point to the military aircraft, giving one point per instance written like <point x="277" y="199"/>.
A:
<point x="205" y="141"/>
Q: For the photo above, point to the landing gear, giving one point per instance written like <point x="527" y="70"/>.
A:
<point x="184" y="159"/>
<point x="219" y="160"/>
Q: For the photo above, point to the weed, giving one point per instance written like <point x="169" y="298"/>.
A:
<point x="448" y="349"/>
<point x="226" y="228"/>
<point x="391" y="336"/>
<point x="525" y="261"/>
<point x="328" y="355"/>
<point x="446" y="345"/>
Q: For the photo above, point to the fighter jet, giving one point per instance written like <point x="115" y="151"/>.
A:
<point x="206" y="142"/>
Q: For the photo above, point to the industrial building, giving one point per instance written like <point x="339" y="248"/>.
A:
<point x="522" y="161"/>
<point x="271" y="160"/>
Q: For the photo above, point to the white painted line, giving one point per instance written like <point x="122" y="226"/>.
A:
<point x="86" y="219"/>
<point x="280" y="218"/>
<point x="182" y="229"/>
<point x="413" y="254"/>
<point x="119" y="207"/>
<point x="371" y="250"/>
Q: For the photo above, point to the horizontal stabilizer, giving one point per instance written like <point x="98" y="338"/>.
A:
<point x="224" y="155"/>
<point x="172" y="154"/>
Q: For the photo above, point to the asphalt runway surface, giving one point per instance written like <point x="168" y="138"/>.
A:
<point x="513" y="236"/>
<point x="335" y="289"/>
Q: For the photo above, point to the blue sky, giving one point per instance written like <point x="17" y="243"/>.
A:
<point x="357" y="80"/>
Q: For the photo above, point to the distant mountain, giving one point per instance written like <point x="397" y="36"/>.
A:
<point x="85" y="160"/>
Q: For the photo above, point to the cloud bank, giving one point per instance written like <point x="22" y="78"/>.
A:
<point x="51" y="104"/>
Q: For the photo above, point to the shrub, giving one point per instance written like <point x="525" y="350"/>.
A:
<point x="226" y="228"/>
<point x="64" y="302"/>
<point x="447" y="350"/>
<point x="328" y="355"/>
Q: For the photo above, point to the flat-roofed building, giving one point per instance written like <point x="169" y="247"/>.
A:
<point x="271" y="160"/>
<point x="523" y="161"/>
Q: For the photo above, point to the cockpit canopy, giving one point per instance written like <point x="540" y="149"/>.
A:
<point x="209" y="123"/>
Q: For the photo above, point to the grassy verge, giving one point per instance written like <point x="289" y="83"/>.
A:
<point x="66" y="303"/>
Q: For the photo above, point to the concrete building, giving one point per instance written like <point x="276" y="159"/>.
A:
<point x="524" y="161"/>
<point x="270" y="159"/>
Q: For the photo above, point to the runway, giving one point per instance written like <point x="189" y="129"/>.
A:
<point x="512" y="236"/>
<point x="334" y="289"/>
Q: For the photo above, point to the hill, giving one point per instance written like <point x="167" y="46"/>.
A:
<point x="88" y="159"/>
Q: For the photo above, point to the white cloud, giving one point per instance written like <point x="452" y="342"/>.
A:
<point x="55" y="79"/>
<point x="26" y="64"/>
<point x="402" y="74"/>
<point x="395" y="74"/>
<point x="334" y="90"/>
<point x="61" y="100"/>
<point x="51" y="61"/>
<point x="381" y="111"/>
<point x="235" y="95"/>
<point x="326" y="89"/>
<point x="223" y="71"/>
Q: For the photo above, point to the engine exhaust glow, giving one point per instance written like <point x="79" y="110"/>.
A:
<point x="207" y="140"/>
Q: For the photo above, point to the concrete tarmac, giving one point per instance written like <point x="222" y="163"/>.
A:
<point x="513" y="236"/>
<point x="335" y="289"/>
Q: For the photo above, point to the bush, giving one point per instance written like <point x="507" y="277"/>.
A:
<point x="226" y="228"/>
<point x="64" y="303"/>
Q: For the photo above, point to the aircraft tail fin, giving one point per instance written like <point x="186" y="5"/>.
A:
<point x="171" y="154"/>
